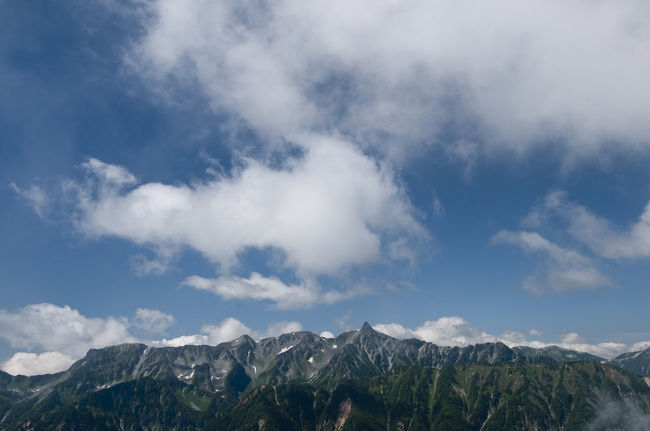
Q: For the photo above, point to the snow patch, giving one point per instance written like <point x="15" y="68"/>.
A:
<point x="186" y="376"/>
<point x="334" y="346"/>
<point x="636" y="355"/>
<point x="254" y="369"/>
<point x="310" y="360"/>
<point x="285" y="349"/>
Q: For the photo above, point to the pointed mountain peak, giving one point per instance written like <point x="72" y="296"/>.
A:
<point x="366" y="328"/>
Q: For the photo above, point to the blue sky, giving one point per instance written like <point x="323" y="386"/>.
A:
<point x="185" y="172"/>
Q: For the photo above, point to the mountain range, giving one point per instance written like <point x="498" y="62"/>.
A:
<point x="359" y="380"/>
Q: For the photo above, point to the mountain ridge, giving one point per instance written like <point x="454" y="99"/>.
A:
<point x="217" y="377"/>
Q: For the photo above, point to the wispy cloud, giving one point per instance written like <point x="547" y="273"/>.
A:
<point x="260" y="288"/>
<point x="562" y="270"/>
<point x="35" y="196"/>
<point x="600" y="235"/>
<point x="152" y="321"/>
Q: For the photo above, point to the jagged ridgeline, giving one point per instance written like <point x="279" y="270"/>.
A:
<point x="359" y="380"/>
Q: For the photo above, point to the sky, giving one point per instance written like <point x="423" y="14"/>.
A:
<point x="185" y="172"/>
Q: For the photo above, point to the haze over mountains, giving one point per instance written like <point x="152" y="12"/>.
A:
<point x="227" y="386"/>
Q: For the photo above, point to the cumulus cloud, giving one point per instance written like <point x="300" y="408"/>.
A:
<point x="228" y="330"/>
<point x="62" y="329"/>
<point x="326" y="211"/>
<point x="564" y="269"/>
<point x="456" y="331"/>
<point x="183" y="340"/>
<point x="326" y="334"/>
<point x="641" y="345"/>
<point x="152" y="321"/>
<point x="597" y="233"/>
<point x="30" y="364"/>
<point x="569" y="71"/>
<point x="62" y="335"/>
<point x="446" y="331"/>
<point x="259" y="288"/>
<point x="279" y="328"/>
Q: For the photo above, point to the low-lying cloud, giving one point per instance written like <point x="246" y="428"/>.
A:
<point x="456" y="331"/>
<point x="54" y="337"/>
<point x="619" y="416"/>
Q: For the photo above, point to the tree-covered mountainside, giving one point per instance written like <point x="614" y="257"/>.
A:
<point x="140" y="387"/>
<point x="523" y="396"/>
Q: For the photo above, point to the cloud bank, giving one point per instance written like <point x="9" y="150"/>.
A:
<point x="396" y="75"/>
<point x="456" y="331"/>
<point x="55" y="337"/>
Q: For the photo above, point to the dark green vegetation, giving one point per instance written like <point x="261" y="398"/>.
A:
<point x="360" y="380"/>
<point x="520" y="396"/>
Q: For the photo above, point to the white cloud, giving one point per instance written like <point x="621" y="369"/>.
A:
<point x="183" y="340"/>
<point x="61" y="329"/>
<point x="597" y="233"/>
<point x="109" y="175"/>
<point x="513" y="73"/>
<point x="30" y="364"/>
<point x="329" y="210"/>
<point x="227" y="330"/>
<point x="63" y="335"/>
<point x="641" y="345"/>
<point x="279" y="328"/>
<point x="456" y="331"/>
<point x="326" y="334"/>
<point x="61" y="332"/>
<point x="152" y="321"/>
<point x="257" y="287"/>
<point x="260" y="288"/>
<point x="563" y="270"/>
<point x="446" y="331"/>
